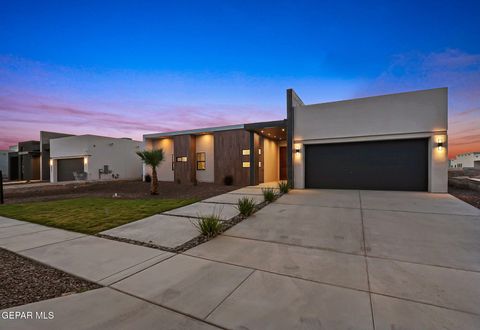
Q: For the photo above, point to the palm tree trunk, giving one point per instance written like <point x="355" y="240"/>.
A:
<point x="154" y="186"/>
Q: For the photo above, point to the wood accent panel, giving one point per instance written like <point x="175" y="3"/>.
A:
<point x="228" y="156"/>
<point x="184" y="146"/>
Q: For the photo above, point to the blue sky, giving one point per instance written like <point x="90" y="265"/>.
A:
<point x="127" y="68"/>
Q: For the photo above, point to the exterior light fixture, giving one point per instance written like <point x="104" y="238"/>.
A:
<point x="51" y="162"/>
<point x="262" y="131"/>
<point x="297" y="151"/>
<point x="85" y="160"/>
<point x="283" y="129"/>
<point x="440" y="145"/>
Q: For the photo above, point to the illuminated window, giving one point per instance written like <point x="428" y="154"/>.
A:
<point x="246" y="164"/>
<point x="246" y="152"/>
<point x="259" y="151"/>
<point x="182" y="159"/>
<point x="201" y="161"/>
<point x="259" y="164"/>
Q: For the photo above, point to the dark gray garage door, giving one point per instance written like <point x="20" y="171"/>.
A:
<point x="66" y="167"/>
<point x="378" y="165"/>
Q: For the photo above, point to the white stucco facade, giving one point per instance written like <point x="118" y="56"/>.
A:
<point x="419" y="114"/>
<point x="98" y="151"/>
<point x="205" y="143"/>
<point x="4" y="163"/>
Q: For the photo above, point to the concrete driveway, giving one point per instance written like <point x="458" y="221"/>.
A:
<point x="314" y="259"/>
<point x="332" y="259"/>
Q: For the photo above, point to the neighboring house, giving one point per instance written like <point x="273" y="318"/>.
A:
<point x="4" y="163"/>
<point x="469" y="160"/>
<point x="24" y="164"/>
<point x="92" y="157"/>
<point x="45" y="138"/>
<point x="388" y="142"/>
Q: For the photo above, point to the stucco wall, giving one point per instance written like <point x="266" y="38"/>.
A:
<point x="395" y="116"/>
<point x="164" y="171"/>
<point x="205" y="144"/>
<point x="270" y="160"/>
<point x="118" y="154"/>
<point x="4" y="163"/>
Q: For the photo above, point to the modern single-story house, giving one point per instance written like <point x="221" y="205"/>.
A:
<point x="387" y="142"/>
<point x="468" y="160"/>
<point x="24" y="163"/>
<point x="45" y="138"/>
<point x="92" y="157"/>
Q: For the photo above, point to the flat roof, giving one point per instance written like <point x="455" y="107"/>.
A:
<point x="199" y="131"/>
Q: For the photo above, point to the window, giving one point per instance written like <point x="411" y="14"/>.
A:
<point x="201" y="161"/>
<point x="246" y="152"/>
<point x="246" y="164"/>
<point x="182" y="159"/>
<point x="259" y="164"/>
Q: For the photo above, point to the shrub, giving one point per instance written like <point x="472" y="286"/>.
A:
<point x="246" y="206"/>
<point x="209" y="225"/>
<point x="148" y="178"/>
<point x="228" y="180"/>
<point x="269" y="194"/>
<point x="284" y="187"/>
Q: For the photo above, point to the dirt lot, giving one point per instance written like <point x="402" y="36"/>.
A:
<point x="124" y="189"/>
<point x="469" y="196"/>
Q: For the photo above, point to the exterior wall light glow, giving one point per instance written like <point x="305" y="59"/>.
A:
<point x="297" y="151"/>
<point x="440" y="146"/>
<point x="85" y="160"/>
<point x="51" y="162"/>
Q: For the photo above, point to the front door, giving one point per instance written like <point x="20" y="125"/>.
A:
<point x="283" y="163"/>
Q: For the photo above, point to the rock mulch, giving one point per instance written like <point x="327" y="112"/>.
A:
<point x="24" y="281"/>
<point x="471" y="197"/>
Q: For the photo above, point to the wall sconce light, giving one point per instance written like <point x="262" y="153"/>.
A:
<point x="85" y="161"/>
<point x="440" y="145"/>
<point x="51" y="162"/>
<point x="297" y="150"/>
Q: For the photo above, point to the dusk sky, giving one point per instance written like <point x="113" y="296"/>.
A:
<point x="127" y="68"/>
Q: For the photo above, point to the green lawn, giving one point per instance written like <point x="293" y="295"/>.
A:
<point x="89" y="215"/>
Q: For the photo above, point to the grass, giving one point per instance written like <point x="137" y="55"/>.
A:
<point x="269" y="194"/>
<point x="89" y="215"/>
<point x="209" y="225"/>
<point x="246" y="206"/>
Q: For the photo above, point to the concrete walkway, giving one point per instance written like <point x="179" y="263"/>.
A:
<point x="176" y="227"/>
<point x="315" y="259"/>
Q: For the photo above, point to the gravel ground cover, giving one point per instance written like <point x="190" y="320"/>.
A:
<point x="123" y="189"/>
<point x="471" y="197"/>
<point x="24" y="281"/>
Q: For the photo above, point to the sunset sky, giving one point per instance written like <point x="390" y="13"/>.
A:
<point x="126" y="68"/>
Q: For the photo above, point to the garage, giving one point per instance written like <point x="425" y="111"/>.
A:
<point x="372" y="165"/>
<point x="66" y="167"/>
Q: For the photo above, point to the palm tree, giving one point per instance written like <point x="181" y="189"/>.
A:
<point x="152" y="158"/>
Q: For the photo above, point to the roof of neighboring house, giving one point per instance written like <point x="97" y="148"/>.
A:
<point x="199" y="131"/>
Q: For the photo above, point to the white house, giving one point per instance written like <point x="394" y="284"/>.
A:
<point x="92" y="157"/>
<point x="469" y="159"/>
<point x="4" y="163"/>
<point x="387" y="142"/>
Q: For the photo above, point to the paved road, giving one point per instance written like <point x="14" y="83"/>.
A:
<point x="315" y="259"/>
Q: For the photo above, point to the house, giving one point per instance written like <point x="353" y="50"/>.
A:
<point x="248" y="153"/>
<point x="4" y="163"/>
<point x="45" y="138"/>
<point x="92" y="157"/>
<point x="387" y="142"/>
<point x="469" y="160"/>
<point x="24" y="163"/>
